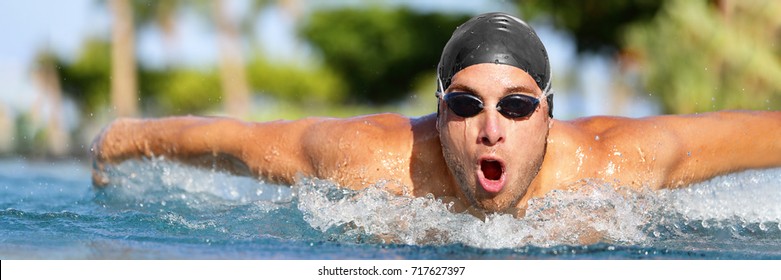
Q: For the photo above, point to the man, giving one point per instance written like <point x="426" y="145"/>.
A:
<point x="491" y="146"/>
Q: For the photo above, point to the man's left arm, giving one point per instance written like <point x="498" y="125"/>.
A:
<point x="706" y="145"/>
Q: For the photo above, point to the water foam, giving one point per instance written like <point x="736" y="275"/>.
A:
<point x="743" y="205"/>
<point x="146" y="178"/>
<point x="591" y="214"/>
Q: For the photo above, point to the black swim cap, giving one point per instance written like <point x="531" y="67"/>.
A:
<point x="495" y="38"/>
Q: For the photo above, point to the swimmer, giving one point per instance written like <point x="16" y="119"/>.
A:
<point x="492" y="145"/>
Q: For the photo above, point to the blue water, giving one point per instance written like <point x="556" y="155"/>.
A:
<point x="164" y="210"/>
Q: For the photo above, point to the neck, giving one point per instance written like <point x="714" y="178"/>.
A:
<point x="543" y="182"/>
<point x="428" y="169"/>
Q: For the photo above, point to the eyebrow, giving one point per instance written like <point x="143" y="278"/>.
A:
<point x="513" y="89"/>
<point x="461" y="87"/>
<point x="519" y="88"/>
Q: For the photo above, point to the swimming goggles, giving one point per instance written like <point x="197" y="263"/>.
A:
<point x="513" y="106"/>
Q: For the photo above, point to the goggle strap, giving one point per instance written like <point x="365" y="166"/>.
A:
<point x="549" y="98"/>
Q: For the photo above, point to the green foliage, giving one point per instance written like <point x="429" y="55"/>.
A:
<point x="379" y="52"/>
<point x="312" y="84"/>
<point x="696" y="58"/>
<point x="597" y="25"/>
<point x="87" y="79"/>
<point x="179" y="90"/>
<point x="185" y="90"/>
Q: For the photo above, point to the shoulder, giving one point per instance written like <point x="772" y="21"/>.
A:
<point x="367" y="127"/>
<point x="351" y="151"/>
<point x="631" y="150"/>
<point x="616" y="129"/>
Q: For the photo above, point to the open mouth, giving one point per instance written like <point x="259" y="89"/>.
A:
<point x="491" y="169"/>
<point x="491" y="175"/>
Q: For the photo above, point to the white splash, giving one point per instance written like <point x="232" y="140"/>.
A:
<point x="590" y="212"/>
<point x="594" y="213"/>
<point x="136" y="177"/>
<point x="753" y="196"/>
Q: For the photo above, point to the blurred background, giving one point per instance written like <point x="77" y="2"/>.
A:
<point x="67" y="68"/>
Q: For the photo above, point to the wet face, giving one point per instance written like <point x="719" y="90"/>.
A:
<point x="493" y="158"/>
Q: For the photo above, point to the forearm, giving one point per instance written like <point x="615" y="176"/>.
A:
<point x="724" y="142"/>
<point x="176" y="137"/>
<point x="193" y="140"/>
<point x="271" y="151"/>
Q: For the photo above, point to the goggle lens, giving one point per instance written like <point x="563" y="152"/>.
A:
<point x="513" y="106"/>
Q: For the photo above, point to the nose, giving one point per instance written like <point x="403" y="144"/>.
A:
<point x="492" y="131"/>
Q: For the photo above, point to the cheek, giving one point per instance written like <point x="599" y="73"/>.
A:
<point x="461" y="136"/>
<point x="528" y="137"/>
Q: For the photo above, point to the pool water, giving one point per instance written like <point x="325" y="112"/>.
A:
<point x="164" y="210"/>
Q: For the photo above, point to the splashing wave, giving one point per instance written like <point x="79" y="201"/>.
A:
<point x="744" y="205"/>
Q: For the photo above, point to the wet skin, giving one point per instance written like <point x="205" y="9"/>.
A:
<point x="485" y="163"/>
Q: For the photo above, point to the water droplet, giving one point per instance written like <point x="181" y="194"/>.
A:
<point x="596" y="138"/>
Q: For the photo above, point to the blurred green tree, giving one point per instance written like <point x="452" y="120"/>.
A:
<point x="233" y="79"/>
<point x="179" y="90"/>
<point x="379" y="52"/>
<point x="311" y="84"/>
<point x="698" y="56"/>
<point x="86" y="79"/>
<point x="596" y="25"/>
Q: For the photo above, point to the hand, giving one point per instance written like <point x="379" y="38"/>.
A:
<point x="106" y="149"/>
<point x="99" y="176"/>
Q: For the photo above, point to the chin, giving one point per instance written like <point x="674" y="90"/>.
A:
<point x="489" y="199"/>
<point x="507" y="199"/>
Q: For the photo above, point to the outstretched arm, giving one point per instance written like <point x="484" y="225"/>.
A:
<point x="668" y="151"/>
<point x="269" y="150"/>
<point x="711" y="144"/>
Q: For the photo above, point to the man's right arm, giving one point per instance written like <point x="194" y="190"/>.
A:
<point x="271" y="150"/>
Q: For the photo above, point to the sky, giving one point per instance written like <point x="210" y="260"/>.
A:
<point x="32" y="25"/>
